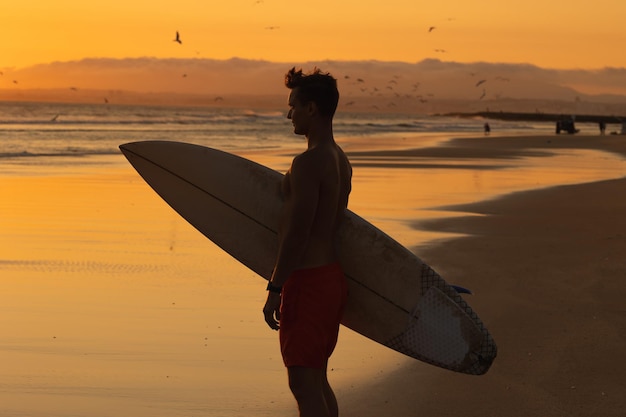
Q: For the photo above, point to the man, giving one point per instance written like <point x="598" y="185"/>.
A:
<point x="307" y="291"/>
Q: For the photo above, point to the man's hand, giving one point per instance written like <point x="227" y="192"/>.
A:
<point x="271" y="311"/>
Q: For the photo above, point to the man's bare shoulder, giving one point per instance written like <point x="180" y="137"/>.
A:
<point x="319" y="159"/>
<point x="304" y="171"/>
<point x="310" y="159"/>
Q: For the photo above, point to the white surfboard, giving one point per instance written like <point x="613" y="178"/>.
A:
<point x="394" y="298"/>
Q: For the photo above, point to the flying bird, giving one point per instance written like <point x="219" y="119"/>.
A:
<point x="480" y="82"/>
<point x="430" y="29"/>
<point x="178" y="38"/>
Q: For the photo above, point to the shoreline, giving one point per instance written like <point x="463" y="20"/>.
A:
<point x="506" y="147"/>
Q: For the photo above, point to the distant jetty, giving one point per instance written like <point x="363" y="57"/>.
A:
<point x="540" y="117"/>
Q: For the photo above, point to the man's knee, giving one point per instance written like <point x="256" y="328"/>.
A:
<point x="304" y="381"/>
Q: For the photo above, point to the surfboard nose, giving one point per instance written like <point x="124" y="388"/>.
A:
<point x="147" y="149"/>
<point x="131" y="147"/>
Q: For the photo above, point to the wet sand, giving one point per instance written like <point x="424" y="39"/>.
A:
<point x="112" y="305"/>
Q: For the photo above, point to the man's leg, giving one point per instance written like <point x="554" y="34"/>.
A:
<point x="329" y="395"/>
<point x="308" y="386"/>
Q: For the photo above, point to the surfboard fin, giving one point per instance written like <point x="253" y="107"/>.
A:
<point x="461" y="290"/>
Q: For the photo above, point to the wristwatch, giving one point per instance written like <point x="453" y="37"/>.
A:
<point x="272" y="288"/>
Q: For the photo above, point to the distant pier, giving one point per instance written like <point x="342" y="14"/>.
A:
<point x="565" y="123"/>
<point x="541" y="117"/>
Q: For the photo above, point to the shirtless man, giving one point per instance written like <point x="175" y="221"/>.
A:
<point x="307" y="291"/>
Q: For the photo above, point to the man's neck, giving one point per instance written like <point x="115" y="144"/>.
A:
<point x="320" y="134"/>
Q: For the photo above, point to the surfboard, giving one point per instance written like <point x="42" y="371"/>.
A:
<point x="394" y="298"/>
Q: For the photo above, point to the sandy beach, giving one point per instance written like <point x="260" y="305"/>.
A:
<point x="113" y="305"/>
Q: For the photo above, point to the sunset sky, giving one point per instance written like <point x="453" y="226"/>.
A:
<point x="547" y="33"/>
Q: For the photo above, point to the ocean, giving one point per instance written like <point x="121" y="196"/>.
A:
<point x="31" y="130"/>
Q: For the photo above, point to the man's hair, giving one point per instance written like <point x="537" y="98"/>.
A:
<point x="317" y="86"/>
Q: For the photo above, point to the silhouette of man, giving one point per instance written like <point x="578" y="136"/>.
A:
<point x="307" y="291"/>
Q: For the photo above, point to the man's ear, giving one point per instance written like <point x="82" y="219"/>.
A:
<point x="312" y="108"/>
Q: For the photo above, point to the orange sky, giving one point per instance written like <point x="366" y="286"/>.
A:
<point x="552" y="34"/>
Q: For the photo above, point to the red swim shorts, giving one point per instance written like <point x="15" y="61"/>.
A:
<point x="312" y="306"/>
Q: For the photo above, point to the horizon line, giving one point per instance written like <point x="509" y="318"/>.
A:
<point x="311" y="61"/>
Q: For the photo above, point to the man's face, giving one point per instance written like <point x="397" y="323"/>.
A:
<point x="299" y="114"/>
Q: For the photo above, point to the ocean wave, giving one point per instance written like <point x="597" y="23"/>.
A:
<point x="126" y="122"/>
<point x="149" y="119"/>
<point x="78" y="153"/>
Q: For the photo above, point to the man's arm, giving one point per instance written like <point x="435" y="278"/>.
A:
<point x="299" y="214"/>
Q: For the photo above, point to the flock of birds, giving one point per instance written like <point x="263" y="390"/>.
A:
<point x="408" y="91"/>
<point x="400" y="96"/>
